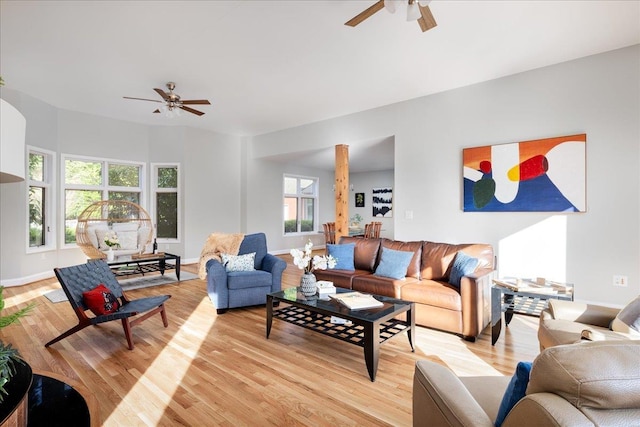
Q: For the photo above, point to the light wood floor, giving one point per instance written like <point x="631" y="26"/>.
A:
<point x="210" y="370"/>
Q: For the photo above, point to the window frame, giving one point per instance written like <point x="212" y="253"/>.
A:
<point x="299" y="195"/>
<point x="104" y="188"/>
<point x="49" y="186"/>
<point x="153" y="200"/>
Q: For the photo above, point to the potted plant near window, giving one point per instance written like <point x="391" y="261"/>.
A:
<point x="15" y="373"/>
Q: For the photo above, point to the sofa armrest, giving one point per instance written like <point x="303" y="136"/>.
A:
<point x="276" y="267"/>
<point x="582" y="313"/>
<point x="475" y="293"/>
<point x="217" y="284"/>
<point x="441" y="399"/>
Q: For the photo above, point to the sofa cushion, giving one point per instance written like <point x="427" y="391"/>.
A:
<point x="343" y="255"/>
<point x="430" y="292"/>
<point x="365" y="253"/>
<point x="125" y="226"/>
<point x="340" y="278"/>
<point x="628" y="320"/>
<point x="393" y="264"/>
<point x="379" y="285"/>
<point x="601" y="374"/>
<point x="238" y="262"/>
<point x="515" y="391"/>
<point x="413" y="270"/>
<point x="463" y="265"/>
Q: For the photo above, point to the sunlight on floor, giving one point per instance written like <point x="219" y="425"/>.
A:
<point x="169" y="364"/>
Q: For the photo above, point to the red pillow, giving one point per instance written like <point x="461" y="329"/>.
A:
<point x="100" y="300"/>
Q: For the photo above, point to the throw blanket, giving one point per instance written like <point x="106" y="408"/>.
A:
<point x="216" y="244"/>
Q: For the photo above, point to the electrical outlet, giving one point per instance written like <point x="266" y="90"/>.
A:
<point x="619" y="280"/>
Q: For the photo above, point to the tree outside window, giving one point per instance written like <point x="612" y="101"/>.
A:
<point x="166" y="201"/>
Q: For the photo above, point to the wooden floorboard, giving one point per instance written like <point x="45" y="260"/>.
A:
<point x="220" y="370"/>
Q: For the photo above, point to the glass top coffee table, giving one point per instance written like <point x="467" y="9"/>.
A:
<point x="368" y="329"/>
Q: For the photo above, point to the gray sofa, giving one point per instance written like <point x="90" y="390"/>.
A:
<point x="245" y="288"/>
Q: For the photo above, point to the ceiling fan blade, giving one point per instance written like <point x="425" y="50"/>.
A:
<point x="196" y="101"/>
<point x="141" y="99"/>
<point x="426" y="21"/>
<point x="157" y="111"/>
<point x="191" y="110"/>
<point x="365" y="14"/>
<point x="162" y="93"/>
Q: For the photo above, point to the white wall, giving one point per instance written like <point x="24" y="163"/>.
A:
<point x="230" y="183"/>
<point x="597" y="95"/>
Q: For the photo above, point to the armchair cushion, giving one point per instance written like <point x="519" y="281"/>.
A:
<point x="100" y="300"/>
<point x="628" y="320"/>
<point x="463" y="265"/>
<point x="238" y="262"/>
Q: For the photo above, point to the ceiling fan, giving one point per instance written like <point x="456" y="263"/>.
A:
<point x="416" y="10"/>
<point x="172" y="102"/>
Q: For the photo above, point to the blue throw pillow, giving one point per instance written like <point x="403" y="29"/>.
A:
<point x="515" y="391"/>
<point x="393" y="263"/>
<point x="463" y="264"/>
<point x="343" y="254"/>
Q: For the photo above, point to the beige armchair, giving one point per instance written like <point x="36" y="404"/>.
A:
<point x="585" y="384"/>
<point x="567" y="322"/>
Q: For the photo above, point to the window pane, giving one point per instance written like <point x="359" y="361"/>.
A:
<point x="80" y="172"/>
<point x="167" y="211"/>
<point x="290" y="185"/>
<point x="36" y="167"/>
<point x="124" y="176"/>
<point x="307" y="186"/>
<point x="306" y="223"/>
<point x="290" y="214"/>
<point x="76" y="201"/>
<point x="36" y="216"/>
<point x="125" y="195"/>
<point x="168" y="177"/>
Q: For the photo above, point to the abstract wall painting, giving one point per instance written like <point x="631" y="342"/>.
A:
<point x="382" y="202"/>
<point x="544" y="175"/>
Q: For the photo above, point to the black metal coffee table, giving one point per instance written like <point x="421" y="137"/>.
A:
<point x="369" y="328"/>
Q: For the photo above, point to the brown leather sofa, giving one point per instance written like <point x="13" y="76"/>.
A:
<point x="567" y="322"/>
<point x="586" y="384"/>
<point x="438" y="304"/>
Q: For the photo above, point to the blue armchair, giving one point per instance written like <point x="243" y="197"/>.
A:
<point x="245" y="288"/>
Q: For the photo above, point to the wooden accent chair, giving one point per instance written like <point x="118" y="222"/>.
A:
<point x="84" y="277"/>
<point x="329" y="232"/>
<point x="372" y="230"/>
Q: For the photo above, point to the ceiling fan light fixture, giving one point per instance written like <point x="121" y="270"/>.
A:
<point x="413" y="11"/>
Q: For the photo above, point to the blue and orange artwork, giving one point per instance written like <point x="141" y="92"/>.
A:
<point x="544" y="175"/>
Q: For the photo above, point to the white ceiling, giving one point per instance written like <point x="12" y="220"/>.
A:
<point x="270" y="65"/>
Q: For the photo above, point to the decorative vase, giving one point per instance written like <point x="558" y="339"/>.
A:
<point x="110" y="255"/>
<point x="308" y="284"/>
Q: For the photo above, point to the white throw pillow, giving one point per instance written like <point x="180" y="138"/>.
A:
<point x="238" y="262"/>
<point x="125" y="226"/>
<point x="100" y="233"/>
<point x="628" y="320"/>
<point x="93" y="237"/>
<point x="128" y="239"/>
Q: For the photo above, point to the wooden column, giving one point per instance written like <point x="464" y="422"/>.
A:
<point x="342" y="191"/>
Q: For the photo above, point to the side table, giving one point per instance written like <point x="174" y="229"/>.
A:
<point x="503" y="300"/>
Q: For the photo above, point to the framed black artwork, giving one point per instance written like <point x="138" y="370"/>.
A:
<point x="359" y="200"/>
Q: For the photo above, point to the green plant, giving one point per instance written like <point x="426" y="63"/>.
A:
<point x="9" y="356"/>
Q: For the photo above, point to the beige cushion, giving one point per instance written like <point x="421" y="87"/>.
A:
<point x="128" y="239"/>
<point x="125" y="226"/>
<point x="600" y="374"/>
<point x="628" y="320"/>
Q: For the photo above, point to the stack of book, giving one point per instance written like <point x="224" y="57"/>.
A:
<point x="325" y="288"/>
<point x="356" y="300"/>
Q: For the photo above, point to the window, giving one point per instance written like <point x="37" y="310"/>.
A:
<point x="300" y="204"/>
<point x="40" y="165"/>
<point x="88" y="180"/>
<point x="166" y="202"/>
